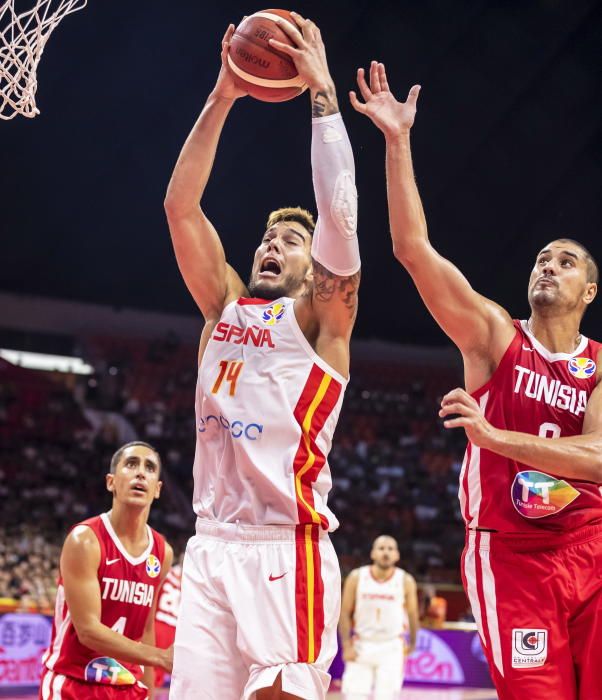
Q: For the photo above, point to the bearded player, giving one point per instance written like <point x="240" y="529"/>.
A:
<point x="379" y="600"/>
<point x="532" y="504"/>
<point x="260" y="581"/>
<point x="110" y="571"/>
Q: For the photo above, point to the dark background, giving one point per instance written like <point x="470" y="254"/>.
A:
<point x="507" y="147"/>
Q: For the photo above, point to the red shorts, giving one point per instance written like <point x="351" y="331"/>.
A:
<point x="164" y="637"/>
<point x="537" y="602"/>
<point x="54" y="686"/>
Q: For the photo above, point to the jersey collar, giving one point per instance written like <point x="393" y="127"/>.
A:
<point x="553" y="356"/>
<point x="113" y="535"/>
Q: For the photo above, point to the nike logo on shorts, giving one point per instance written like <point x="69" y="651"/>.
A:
<point x="275" y="578"/>
<point x="108" y="562"/>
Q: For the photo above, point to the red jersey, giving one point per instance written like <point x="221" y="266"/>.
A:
<point x="166" y="617"/>
<point x="168" y="601"/>
<point x="128" y="586"/>
<point x="542" y="393"/>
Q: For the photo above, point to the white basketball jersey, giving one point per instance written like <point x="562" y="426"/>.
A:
<point x="380" y="612"/>
<point x="266" y="409"/>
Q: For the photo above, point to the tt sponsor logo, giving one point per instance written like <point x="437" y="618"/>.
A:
<point x="537" y="495"/>
<point x="107" y="671"/>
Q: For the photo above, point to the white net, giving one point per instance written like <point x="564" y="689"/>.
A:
<point x="23" y="36"/>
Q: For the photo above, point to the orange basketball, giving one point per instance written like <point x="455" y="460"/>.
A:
<point x="266" y="74"/>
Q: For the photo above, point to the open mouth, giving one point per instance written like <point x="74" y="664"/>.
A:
<point x="139" y="488"/>
<point x="269" y="268"/>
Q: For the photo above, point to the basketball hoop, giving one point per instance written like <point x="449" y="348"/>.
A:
<point x="22" y="40"/>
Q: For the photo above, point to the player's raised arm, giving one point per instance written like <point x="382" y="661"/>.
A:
<point x="80" y="560"/>
<point x="335" y="250"/>
<point x="197" y="246"/>
<point x="474" y="323"/>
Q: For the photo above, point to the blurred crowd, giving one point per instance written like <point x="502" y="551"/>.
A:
<point x="395" y="469"/>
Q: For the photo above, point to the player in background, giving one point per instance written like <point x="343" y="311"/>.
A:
<point x="110" y="570"/>
<point x="379" y="602"/>
<point x="260" y="580"/>
<point x="532" y="505"/>
<point x="166" y="617"/>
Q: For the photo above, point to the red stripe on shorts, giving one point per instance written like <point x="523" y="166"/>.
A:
<point x="309" y="593"/>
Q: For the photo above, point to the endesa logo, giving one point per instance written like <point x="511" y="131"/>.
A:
<point x="252" y="335"/>
<point x="210" y="425"/>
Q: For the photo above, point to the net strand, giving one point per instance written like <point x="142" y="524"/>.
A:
<point x="23" y="37"/>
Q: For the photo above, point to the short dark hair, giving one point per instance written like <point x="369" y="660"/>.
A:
<point x="298" y="214"/>
<point x="135" y="443"/>
<point x="386" y="537"/>
<point x="593" y="274"/>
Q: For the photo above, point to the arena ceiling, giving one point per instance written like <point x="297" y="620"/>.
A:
<point x="507" y="148"/>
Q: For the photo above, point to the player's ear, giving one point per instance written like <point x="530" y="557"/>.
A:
<point x="110" y="481"/>
<point x="591" y="289"/>
<point x="158" y="489"/>
<point x="309" y="275"/>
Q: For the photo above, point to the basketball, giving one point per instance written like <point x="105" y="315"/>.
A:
<point x="265" y="73"/>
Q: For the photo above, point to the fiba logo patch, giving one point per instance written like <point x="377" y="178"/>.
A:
<point x="273" y="314"/>
<point x="581" y="367"/>
<point x="529" y="648"/>
<point x="153" y="566"/>
<point x="107" y="671"/>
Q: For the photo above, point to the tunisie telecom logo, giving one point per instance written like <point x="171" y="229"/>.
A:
<point x="537" y="495"/>
<point x="108" y="671"/>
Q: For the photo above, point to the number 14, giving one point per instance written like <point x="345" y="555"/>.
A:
<point x="230" y="371"/>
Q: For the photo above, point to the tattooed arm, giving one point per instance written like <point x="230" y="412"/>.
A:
<point x="309" y="57"/>
<point x="327" y="314"/>
<point x="340" y="293"/>
<point x="335" y="251"/>
<point x="324" y="100"/>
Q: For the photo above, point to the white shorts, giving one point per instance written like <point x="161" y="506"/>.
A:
<point x="256" y="602"/>
<point x="379" y="667"/>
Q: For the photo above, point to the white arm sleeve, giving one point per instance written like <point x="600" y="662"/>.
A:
<point x="334" y="244"/>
